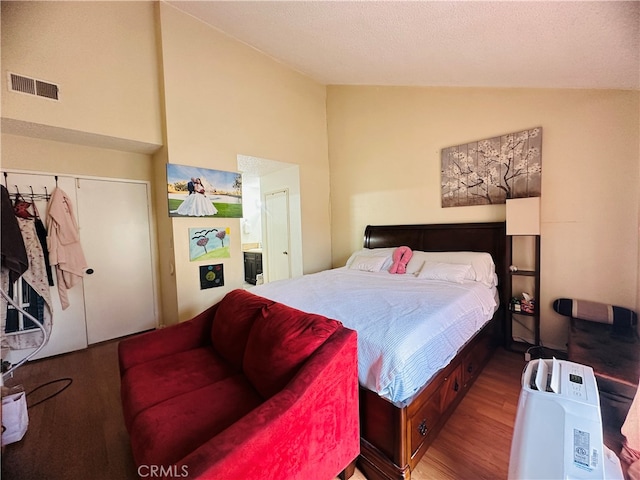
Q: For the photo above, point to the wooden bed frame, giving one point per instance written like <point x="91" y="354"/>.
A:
<point x="394" y="439"/>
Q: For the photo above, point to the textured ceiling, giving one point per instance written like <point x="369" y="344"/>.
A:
<point x="548" y="44"/>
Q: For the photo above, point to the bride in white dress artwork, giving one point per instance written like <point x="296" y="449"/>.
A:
<point x="196" y="204"/>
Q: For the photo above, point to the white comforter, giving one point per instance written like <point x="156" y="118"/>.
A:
<point x="408" y="328"/>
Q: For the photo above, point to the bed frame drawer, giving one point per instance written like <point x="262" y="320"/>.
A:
<point x="476" y="359"/>
<point x="394" y="439"/>
<point x="451" y="389"/>
<point x="423" y="424"/>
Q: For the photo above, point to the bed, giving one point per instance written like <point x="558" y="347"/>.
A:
<point x="406" y="400"/>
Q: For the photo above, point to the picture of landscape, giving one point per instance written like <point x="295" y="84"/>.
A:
<point x="207" y="243"/>
<point x="202" y="192"/>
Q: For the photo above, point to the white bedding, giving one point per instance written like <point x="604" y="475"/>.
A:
<point x="408" y="328"/>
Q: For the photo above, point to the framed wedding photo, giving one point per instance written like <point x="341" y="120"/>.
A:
<point x="202" y="192"/>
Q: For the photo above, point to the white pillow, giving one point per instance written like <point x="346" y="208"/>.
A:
<point x="449" y="272"/>
<point x="483" y="269"/>
<point x="367" y="263"/>
<point x="386" y="253"/>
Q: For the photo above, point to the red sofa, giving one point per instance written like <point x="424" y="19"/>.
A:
<point x="249" y="389"/>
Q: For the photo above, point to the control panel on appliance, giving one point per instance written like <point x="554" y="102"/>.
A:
<point x="575" y="384"/>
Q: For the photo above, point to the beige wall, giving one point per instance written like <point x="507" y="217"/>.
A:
<point x="223" y="98"/>
<point x="384" y="150"/>
<point x="135" y="76"/>
<point x="101" y="54"/>
<point x="142" y="84"/>
<point x="103" y="57"/>
<point x="41" y="155"/>
<point x="30" y="154"/>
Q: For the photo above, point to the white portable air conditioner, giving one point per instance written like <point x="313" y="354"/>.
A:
<point x="558" y="430"/>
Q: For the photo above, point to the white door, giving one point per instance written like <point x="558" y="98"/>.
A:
<point x="118" y="285"/>
<point x="277" y="235"/>
<point x="68" y="329"/>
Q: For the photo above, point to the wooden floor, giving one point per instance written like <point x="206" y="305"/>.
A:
<point x="475" y="443"/>
<point x="80" y="433"/>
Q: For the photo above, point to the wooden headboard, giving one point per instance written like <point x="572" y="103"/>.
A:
<point x="473" y="237"/>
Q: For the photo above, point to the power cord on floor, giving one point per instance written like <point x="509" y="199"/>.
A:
<point x="65" y="379"/>
<point x="534" y="351"/>
<point x="539" y="349"/>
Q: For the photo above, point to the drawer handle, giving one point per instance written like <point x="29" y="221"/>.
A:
<point x="470" y="368"/>
<point x="422" y="428"/>
<point x="456" y="386"/>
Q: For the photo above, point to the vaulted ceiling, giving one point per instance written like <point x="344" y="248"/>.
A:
<point x="546" y="44"/>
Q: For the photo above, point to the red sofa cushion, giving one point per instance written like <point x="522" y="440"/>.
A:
<point x="232" y="323"/>
<point x="153" y="382"/>
<point x="167" y="432"/>
<point x="307" y="431"/>
<point x="281" y="339"/>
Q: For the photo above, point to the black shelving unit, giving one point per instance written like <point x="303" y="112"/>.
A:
<point x="510" y="343"/>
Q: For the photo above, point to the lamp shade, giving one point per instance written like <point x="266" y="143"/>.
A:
<point x="523" y="216"/>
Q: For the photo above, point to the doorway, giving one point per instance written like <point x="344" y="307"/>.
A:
<point x="261" y="175"/>
<point x="277" y="235"/>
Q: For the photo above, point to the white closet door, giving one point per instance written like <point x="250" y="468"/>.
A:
<point x="114" y="228"/>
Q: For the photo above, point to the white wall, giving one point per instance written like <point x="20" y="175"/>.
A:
<point x="251" y="225"/>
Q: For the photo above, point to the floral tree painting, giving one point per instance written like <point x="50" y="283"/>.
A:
<point x="492" y="170"/>
<point x="208" y="243"/>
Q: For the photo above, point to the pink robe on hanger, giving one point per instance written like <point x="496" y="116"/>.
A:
<point x="63" y="241"/>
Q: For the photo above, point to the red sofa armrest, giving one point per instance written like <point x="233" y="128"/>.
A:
<point x="308" y="430"/>
<point x="166" y="341"/>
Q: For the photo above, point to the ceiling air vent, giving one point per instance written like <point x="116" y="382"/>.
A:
<point x="31" y="86"/>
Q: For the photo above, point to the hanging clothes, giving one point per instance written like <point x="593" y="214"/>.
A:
<point x="63" y="241"/>
<point x="41" y="230"/>
<point x="21" y="207"/>
<point x="36" y="277"/>
<point x="14" y="253"/>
